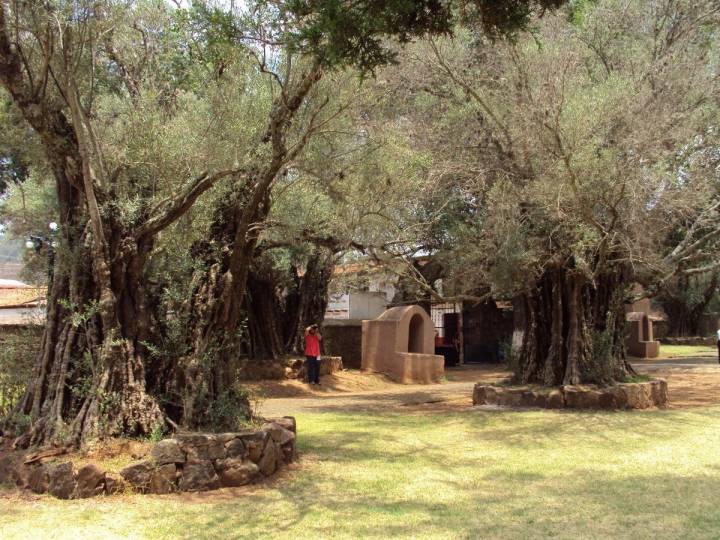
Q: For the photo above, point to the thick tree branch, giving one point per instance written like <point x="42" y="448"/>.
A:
<point x="170" y="210"/>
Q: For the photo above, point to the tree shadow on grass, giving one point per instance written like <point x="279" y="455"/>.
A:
<point x="594" y="505"/>
<point x="365" y="434"/>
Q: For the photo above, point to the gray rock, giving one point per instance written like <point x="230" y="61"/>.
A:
<point x="168" y="451"/>
<point x="528" y="398"/>
<point x="540" y="399"/>
<point x="198" y="476"/>
<point x="90" y="482"/>
<point x="163" y="479"/>
<point x="479" y="397"/>
<point x="19" y="474"/>
<point x="659" y="392"/>
<point x="236" y="449"/>
<point x="289" y="452"/>
<point x="268" y="462"/>
<point x="201" y="447"/>
<point x="493" y="395"/>
<point x="38" y="479"/>
<point x="114" y="483"/>
<point x="138" y="475"/>
<point x="288" y="422"/>
<point x="7" y="463"/>
<point x="581" y="397"/>
<point x="278" y="433"/>
<point x="61" y="481"/>
<point x="237" y="472"/>
<point x="255" y="443"/>
<point x="555" y="399"/>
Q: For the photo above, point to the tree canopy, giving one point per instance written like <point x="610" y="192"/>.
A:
<point x="210" y="163"/>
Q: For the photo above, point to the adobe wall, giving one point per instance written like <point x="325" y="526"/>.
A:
<point x="418" y="368"/>
<point x="378" y="344"/>
<point x="401" y="343"/>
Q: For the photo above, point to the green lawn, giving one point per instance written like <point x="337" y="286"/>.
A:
<point x="474" y="474"/>
<point x="686" y="351"/>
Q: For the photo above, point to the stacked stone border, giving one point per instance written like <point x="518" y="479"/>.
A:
<point x="187" y="462"/>
<point x="620" y="396"/>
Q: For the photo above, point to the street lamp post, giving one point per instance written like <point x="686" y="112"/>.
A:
<point x="36" y="242"/>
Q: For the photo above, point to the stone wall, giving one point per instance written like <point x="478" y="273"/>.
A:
<point x="188" y="462"/>
<point x="343" y="338"/>
<point x="620" y="396"/>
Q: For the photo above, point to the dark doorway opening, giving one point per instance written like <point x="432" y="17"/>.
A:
<point x="415" y="334"/>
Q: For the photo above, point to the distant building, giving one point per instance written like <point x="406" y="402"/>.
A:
<point x="464" y="332"/>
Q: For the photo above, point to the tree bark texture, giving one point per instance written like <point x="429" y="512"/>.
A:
<point x="215" y="309"/>
<point x="683" y="315"/>
<point x="573" y="329"/>
<point x="277" y="314"/>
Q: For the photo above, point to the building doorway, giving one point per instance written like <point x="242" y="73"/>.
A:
<point x="447" y="320"/>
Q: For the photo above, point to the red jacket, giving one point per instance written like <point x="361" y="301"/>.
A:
<point x="312" y="345"/>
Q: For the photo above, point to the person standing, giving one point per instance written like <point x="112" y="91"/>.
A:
<point x="718" y="344"/>
<point x="312" y="353"/>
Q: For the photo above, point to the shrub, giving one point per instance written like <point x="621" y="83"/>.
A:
<point x="18" y="348"/>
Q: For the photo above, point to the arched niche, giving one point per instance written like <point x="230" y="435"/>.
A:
<point x="416" y="334"/>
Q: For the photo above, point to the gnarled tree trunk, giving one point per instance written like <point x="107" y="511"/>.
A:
<point x="89" y="379"/>
<point x="277" y="315"/>
<point x="215" y="309"/>
<point x="572" y="328"/>
<point x="683" y="315"/>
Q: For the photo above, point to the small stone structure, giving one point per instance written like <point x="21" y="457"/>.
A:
<point x="188" y="462"/>
<point x="620" y="396"/>
<point x="640" y="341"/>
<point x="400" y="343"/>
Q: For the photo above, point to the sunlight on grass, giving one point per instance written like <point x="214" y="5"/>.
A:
<point x="686" y="351"/>
<point x="489" y="474"/>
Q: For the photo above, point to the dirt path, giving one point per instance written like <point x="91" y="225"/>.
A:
<point x="352" y="390"/>
<point x="692" y="382"/>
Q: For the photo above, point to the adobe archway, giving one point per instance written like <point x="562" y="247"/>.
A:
<point x="400" y="343"/>
<point x="415" y="334"/>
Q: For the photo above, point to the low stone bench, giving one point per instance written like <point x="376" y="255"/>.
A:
<point x="187" y="462"/>
<point x="641" y="395"/>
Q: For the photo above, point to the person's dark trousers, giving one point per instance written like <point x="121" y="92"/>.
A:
<point x="718" y="350"/>
<point x="313" y="369"/>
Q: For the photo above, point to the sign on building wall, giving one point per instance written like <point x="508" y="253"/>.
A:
<point x="338" y="307"/>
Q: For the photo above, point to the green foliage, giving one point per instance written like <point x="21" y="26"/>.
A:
<point x="17" y="356"/>
<point x="343" y="33"/>
<point x="635" y="379"/>
<point x="157" y="434"/>
<point x="599" y="366"/>
<point x="80" y="316"/>
<point x="81" y="374"/>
